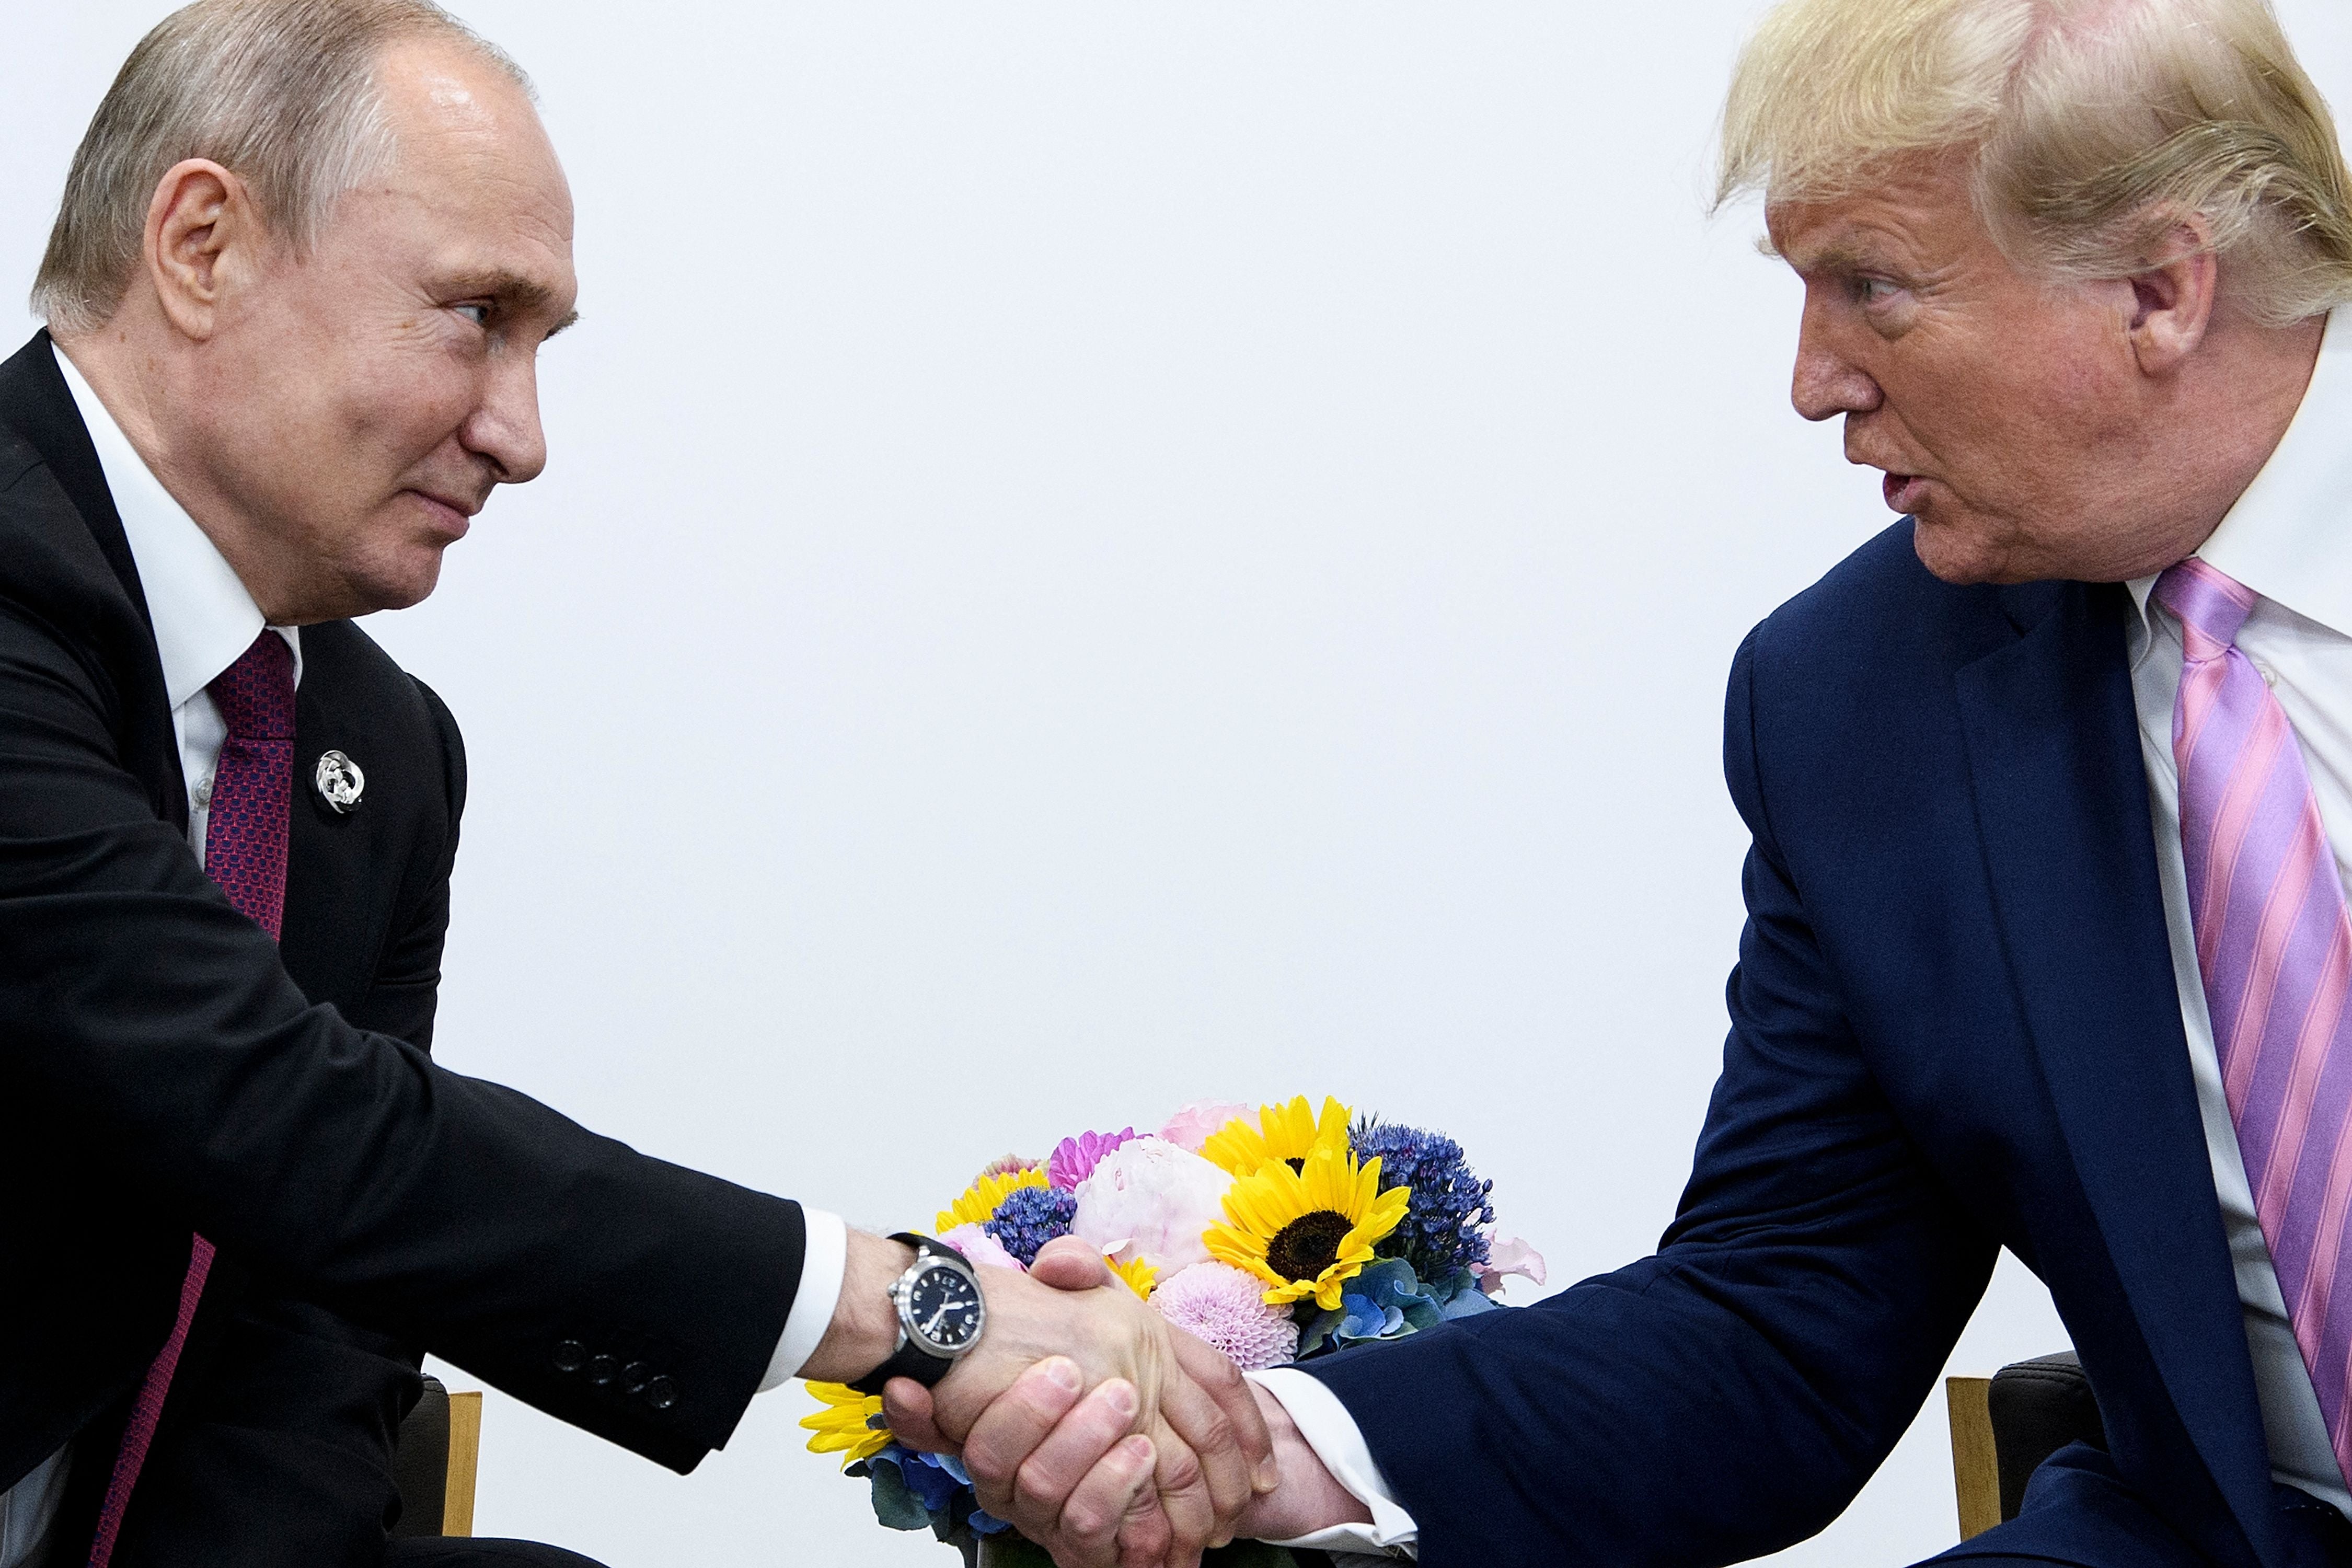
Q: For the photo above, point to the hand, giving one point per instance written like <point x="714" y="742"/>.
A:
<point x="1076" y="1465"/>
<point x="1176" y="1416"/>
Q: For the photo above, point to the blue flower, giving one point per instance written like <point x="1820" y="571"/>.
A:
<point x="1029" y="1218"/>
<point x="1362" y="1319"/>
<point x="1384" y="1302"/>
<point x="1440" y="1231"/>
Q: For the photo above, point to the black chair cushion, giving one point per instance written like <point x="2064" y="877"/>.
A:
<point x="2038" y="1407"/>
<point x="420" y="1463"/>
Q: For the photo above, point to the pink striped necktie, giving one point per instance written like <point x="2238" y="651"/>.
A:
<point x="245" y="851"/>
<point x="2274" y="950"/>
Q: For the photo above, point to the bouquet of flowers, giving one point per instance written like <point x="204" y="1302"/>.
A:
<point x="1277" y="1236"/>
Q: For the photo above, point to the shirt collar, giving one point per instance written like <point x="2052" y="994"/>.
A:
<point x="204" y="618"/>
<point x="2289" y="538"/>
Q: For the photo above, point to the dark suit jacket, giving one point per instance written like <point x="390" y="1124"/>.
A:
<point x="167" y="1069"/>
<point x="1954" y="1026"/>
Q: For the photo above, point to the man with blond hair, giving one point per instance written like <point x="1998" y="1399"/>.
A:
<point x="307" y="255"/>
<point x="2050" y="795"/>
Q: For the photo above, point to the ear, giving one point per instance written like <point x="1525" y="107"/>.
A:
<point x="201" y="233"/>
<point x="2173" y="300"/>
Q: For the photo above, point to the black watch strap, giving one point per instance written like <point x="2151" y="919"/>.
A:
<point x="910" y="1360"/>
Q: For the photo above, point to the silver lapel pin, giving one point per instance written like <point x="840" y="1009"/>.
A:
<point x="338" y="782"/>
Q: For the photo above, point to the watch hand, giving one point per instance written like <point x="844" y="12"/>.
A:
<point x="931" y="1329"/>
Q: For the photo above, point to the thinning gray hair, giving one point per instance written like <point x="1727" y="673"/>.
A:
<point x="281" y="93"/>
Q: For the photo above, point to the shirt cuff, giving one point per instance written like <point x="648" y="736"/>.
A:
<point x="822" y="1256"/>
<point x="1332" y="1433"/>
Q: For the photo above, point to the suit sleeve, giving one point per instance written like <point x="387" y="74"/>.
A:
<point x="1729" y="1394"/>
<point x="164" y="1044"/>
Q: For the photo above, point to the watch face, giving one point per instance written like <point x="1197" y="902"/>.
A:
<point x="943" y="1308"/>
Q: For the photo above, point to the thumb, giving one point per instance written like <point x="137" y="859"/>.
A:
<point x="907" y="1405"/>
<point x="1067" y="1263"/>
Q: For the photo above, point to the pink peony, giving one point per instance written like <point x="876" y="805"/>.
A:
<point x="1506" y="1256"/>
<point x="1219" y="1303"/>
<point x="980" y="1249"/>
<point x="1194" y="1124"/>
<point x="1150" y="1199"/>
<point x="1074" y="1159"/>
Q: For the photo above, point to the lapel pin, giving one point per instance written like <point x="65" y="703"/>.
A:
<point x="338" y="782"/>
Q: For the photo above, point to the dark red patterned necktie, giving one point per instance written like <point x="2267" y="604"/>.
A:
<point x="245" y="851"/>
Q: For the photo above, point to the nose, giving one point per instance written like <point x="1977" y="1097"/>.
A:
<point x="1827" y="382"/>
<point x="504" y="427"/>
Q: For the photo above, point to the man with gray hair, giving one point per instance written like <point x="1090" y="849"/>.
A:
<point x="307" y="254"/>
<point x="2050" y="795"/>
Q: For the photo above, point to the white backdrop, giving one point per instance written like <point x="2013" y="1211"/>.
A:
<point x="1095" y="556"/>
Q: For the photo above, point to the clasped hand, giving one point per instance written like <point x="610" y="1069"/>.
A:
<point x="1099" y="1430"/>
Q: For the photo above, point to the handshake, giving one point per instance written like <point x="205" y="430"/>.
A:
<point x="1086" y="1420"/>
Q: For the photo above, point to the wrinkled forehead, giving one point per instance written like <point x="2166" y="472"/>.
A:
<point x="1908" y="211"/>
<point x="474" y="174"/>
<point x="466" y="133"/>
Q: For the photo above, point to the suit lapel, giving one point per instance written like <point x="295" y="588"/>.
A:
<point x="2061" y="798"/>
<point x="37" y="407"/>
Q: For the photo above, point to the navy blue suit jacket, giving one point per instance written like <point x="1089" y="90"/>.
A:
<point x="1954" y="1027"/>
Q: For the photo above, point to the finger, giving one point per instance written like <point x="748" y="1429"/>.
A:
<point x="1226" y="1478"/>
<point x="1079" y="1443"/>
<point x="1183" y="1497"/>
<point x="1067" y="1263"/>
<point x="1223" y="1380"/>
<point x="1145" y="1539"/>
<point x="1013" y="1423"/>
<point x="907" y="1405"/>
<point x="1105" y="1499"/>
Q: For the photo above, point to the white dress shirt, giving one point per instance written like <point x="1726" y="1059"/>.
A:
<point x="204" y="620"/>
<point x="2289" y="538"/>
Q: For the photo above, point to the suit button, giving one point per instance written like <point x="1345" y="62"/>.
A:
<point x="661" y="1394"/>
<point x="634" y="1375"/>
<point x="604" y="1369"/>
<point x="571" y="1355"/>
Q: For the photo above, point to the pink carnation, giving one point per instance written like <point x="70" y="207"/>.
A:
<point x="1506" y="1256"/>
<point x="1074" y="1159"/>
<point x="1219" y="1303"/>
<point x="1195" y="1124"/>
<point x="1007" y="1165"/>
<point x="980" y="1249"/>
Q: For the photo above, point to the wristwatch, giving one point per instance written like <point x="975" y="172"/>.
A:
<point x="940" y="1315"/>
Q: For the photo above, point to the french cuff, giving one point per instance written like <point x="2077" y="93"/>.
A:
<point x="825" y="1253"/>
<point x="1332" y="1433"/>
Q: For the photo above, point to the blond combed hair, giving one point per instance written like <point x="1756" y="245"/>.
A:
<point x="2095" y="128"/>
<point x="281" y="93"/>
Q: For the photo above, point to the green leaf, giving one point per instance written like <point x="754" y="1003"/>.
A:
<point x="894" y="1505"/>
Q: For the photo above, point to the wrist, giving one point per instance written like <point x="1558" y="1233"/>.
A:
<point x="864" y="1332"/>
<point x="1309" y="1498"/>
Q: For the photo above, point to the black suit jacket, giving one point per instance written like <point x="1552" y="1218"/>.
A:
<point x="168" y="1069"/>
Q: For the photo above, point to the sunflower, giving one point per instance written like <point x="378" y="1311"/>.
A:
<point x="1139" y="1275"/>
<point x="1306" y="1232"/>
<point x="850" y="1424"/>
<point x="1285" y="1132"/>
<point x="978" y="1205"/>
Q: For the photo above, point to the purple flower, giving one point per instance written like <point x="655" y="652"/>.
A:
<point x="1441" y="1231"/>
<point x="1074" y="1159"/>
<point x="1029" y="1218"/>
